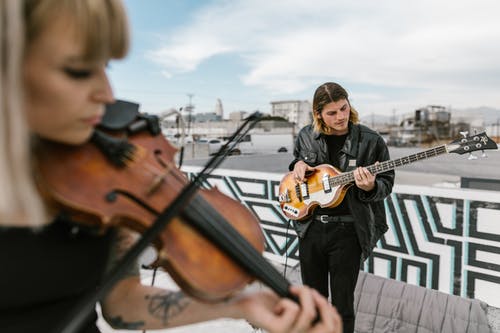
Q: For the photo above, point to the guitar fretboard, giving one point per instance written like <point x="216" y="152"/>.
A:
<point x="348" y="177"/>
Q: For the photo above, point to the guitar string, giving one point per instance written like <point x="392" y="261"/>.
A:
<point x="348" y="177"/>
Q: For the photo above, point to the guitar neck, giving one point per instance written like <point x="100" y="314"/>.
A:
<point x="348" y="177"/>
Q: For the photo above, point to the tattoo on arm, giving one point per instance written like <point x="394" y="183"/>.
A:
<point x="118" y="322"/>
<point x="165" y="306"/>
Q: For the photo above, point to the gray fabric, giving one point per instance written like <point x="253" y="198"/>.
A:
<point x="384" y="306"/>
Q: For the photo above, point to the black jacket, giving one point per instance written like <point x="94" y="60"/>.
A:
<point x="362" y="147"/>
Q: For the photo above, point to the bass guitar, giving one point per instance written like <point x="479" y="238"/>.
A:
<point x="326" y="186"/>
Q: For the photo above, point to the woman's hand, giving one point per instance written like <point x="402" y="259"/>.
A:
<point x="300" y="169"/>
<point x="364" y="179"/>
<point x="266" y="310"/>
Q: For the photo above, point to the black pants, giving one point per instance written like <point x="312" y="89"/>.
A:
<point x="332" y="248"/>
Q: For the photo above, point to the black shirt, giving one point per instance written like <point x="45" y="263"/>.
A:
<point x="45" y="272"/>
<point x="335" y="144"/>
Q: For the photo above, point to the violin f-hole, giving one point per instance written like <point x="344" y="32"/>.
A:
<point x="113" y="196"/>
<point x="158" y="154"/>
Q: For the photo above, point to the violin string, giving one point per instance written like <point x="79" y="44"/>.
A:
<point x="205" y="213"/>
<point x="236" y="245"/>
<point x="215" y="227"/>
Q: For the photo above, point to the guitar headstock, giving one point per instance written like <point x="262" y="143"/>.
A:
<point x="471" y="143"/>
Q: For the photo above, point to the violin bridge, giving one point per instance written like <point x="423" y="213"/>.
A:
<point x="158" y="180"/>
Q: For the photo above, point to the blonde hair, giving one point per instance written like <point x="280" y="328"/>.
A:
<point x="19" y="200"/>
<point x="104" y="29"/>
<point x="102" y="24"/>
<point x="326" y="93"/>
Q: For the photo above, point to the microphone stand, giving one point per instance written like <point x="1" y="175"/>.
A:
<point x="74" y="320"/>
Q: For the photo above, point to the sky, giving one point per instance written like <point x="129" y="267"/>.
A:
<point x="392" y="56"/>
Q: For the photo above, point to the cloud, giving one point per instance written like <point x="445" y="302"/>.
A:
<point x="443" y="46"/>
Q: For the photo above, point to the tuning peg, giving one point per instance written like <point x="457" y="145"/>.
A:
<point x="472" y="157"/>
<point x="483" y="155"/>
<point x="464" y="134"/>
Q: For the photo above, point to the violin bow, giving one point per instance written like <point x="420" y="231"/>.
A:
<point x="74" y="320"/>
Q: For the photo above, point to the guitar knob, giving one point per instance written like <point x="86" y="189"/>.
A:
<point x="472" y="157"/>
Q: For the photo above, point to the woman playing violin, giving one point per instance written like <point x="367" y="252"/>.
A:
<point x="54" y="86"/>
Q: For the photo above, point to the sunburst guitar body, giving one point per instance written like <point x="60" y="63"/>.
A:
<point x="298" y="200"/>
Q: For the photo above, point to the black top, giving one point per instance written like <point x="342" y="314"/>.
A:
<point x="335" y="143"/>
<point x="45" y="272"/>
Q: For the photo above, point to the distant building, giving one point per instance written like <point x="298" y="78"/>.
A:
<point x="435" y="121"/>
<point x="238" y="115"/>
<point x="219" y="111"/>
<point x="212" y="124"/>
<point x="274" y="126"/>
<point x="295" y="111"/>
<point x="206" y="117"/>
<point x="429" y="124"/>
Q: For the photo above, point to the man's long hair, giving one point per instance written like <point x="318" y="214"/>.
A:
<point x="325" y="94"/>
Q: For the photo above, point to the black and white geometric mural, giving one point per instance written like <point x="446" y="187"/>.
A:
<point x="445" y="239"/>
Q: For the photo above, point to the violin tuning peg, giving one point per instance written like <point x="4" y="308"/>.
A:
<point x="472" y="157"/>
<point x="464" y="134"/>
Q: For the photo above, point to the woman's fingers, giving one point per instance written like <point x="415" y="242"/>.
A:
<point x="316" y="315"/>
<point x="330" y="318"/>
<point x="286" y="312"/>
<point x="307" y="306"/>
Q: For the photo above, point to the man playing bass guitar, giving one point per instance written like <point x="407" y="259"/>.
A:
<point x="336" y="239"/>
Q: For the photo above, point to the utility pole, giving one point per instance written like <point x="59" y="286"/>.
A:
<point x="189" y="110"/>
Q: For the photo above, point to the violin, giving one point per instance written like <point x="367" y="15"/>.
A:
<point x="212" y="248"/>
